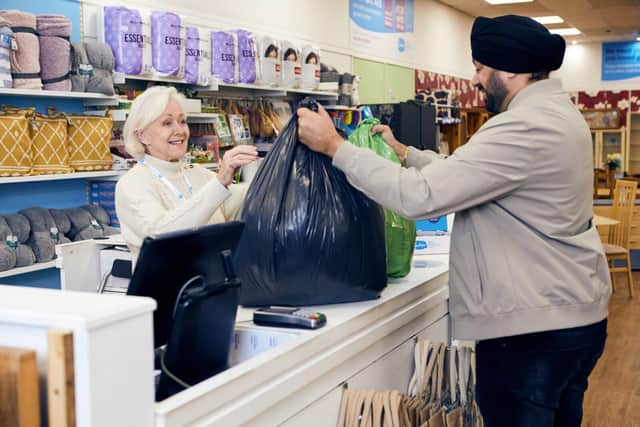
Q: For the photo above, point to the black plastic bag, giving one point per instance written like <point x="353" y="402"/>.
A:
<point x="310" y="238"/>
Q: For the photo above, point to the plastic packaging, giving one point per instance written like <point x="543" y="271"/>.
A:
<point x="124" y="32"/>
<point x="269" y="59"/>
<point x="291" y="64"/>
<point x="310" y="237"/>
<point x="197" y="69"/>
<point x="224" y="56"/>
<point x="247" y="67"/>
<point x="310" y="67"/>
<point x="167" y="44"/>
<point x="400" y="233"/>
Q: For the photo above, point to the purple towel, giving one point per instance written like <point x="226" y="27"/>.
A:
<point x="246" y="57"/>
<point x="55" y="51"/>
<point x="223" y="56"/>
<point x="197" y="57"/>
<point x="167" y="49"/>
<point x="124" y="31"/>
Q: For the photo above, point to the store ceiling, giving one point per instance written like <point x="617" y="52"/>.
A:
<point x="598" y="20"/>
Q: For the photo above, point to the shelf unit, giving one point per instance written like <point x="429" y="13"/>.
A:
<point x="28" y="269"/>
<point x="54" y="94"/>
<point x="609" y="141"/>
<point x="58" y="177"/>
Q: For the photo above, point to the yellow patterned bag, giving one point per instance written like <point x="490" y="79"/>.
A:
<point x="15" y="144"/>
<point x="88" y="138"/>
<point x="49" y="151"/>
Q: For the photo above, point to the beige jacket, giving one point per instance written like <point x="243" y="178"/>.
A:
<point x="524" y="254"/>
<point x="145" y="206"/>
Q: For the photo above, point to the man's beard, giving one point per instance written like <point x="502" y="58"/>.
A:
<point x="495" y="93"/>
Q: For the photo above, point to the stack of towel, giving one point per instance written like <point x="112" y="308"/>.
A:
<point x="25" y="60"/>
<point x="55" y="51"/>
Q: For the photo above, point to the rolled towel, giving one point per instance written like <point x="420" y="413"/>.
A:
<point x="101" y="59"/>
<point x="39" y="218"/>
<point x="20" y="230"/>
<point x="6" y="35"/>
<point x="98" y="213"/>
<point x="83" y="224"/>
<point x="19" y="226"/>
<point x="80" y="68"/>
<point x="62" y="220"/>
<point x="55" y="51"/>
<point x="42" y="245"/>
<point x="7" y="258"/>
<point x="25" y="60"/>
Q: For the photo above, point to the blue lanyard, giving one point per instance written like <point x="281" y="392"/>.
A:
<point x="155" y="172"/>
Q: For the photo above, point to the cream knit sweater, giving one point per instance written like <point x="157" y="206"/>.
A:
<point x="146" y="206"/>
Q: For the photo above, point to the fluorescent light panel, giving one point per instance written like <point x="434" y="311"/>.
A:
<point x="565" y="31"/>
<point x="544" y="20"/>
<point x="507" y="1"/>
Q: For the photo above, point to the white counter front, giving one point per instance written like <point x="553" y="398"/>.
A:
<point x="300" y="382"/>
<point x="279" y="376"/>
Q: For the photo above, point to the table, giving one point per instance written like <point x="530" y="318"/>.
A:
<point x="604" y="221"/>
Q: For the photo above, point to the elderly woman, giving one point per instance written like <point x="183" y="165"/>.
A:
<point x="162" y="193"/>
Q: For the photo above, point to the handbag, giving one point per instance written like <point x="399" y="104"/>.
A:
<point x="88" y="141"/>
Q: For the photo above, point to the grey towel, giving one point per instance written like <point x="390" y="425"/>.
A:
<point x="102" y="60"/>
<point x="20" y="228"/>
<point x="39" y="218"/>
<point x="42" y="245"/>
<point x="63" y="223"/>
<point x="7" y="254"/>
<point x="80" y="68"/>
<point x="83" y="224"/>
<point x="98" y="213"/>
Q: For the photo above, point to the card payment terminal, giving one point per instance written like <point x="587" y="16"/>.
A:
<point x="289" y="317"/>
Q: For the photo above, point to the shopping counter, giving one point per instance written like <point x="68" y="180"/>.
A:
<point x="279" y="376"/>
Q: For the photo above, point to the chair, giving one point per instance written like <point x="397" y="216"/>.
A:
<point x="617" y="246"/>
<point x="603" y="179"/>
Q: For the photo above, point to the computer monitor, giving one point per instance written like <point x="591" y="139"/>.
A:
<point x="168" y="261"/>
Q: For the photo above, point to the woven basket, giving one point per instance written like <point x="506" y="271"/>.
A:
<point x="15" y="144"/>
<point x="49" y="152"/>
<point x="88" y="138"/>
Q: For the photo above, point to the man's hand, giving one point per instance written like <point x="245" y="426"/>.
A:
<point x="388" y="137"/>
<point x="316" y="131"/>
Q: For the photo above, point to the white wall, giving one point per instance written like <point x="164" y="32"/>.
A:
<point x="441" y="34"/>
<point x="581" y="70"/>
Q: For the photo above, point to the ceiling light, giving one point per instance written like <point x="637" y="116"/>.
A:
<point x="548" y="19"/>
<point x="565" y="31"/>
<point x="638" y="38"/>
<point x="575" y="42"/>
<point x="507" y="1"/>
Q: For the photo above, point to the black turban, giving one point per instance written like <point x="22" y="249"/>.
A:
<point x="516" y="44"/>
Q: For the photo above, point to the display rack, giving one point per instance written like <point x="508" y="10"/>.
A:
<point x="54" y="94"/>
<point x="58" y="177"/>
<point x="28" y="269"/>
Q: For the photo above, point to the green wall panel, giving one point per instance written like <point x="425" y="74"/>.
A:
<point x="400" y="83"/>
<point x="371" y="87"/>
<point x="383" y="83"/>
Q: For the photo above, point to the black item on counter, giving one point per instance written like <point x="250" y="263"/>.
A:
<point x="310" y="237"/>
<point x="412" y="122"/>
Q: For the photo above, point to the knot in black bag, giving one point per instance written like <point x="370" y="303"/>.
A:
<point x="310" y="238"/>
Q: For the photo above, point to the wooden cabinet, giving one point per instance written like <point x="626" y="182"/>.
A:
<point x="632" y="160"/>
<point x="458" y="134"/>
<point x="609" y="141"/>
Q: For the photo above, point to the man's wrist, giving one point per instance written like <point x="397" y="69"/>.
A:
<point x="333" y="146"/>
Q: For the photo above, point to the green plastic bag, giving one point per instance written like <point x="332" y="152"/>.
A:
<point x="400" y="233"/>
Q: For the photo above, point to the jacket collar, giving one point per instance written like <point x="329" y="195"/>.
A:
<point x="540" y="88"/>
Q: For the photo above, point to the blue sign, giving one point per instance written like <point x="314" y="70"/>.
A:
<point x="435" y="225"/>
<point x="383" y="16"/>
<point x="620" y="60"/>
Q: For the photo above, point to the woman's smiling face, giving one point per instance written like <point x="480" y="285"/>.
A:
<point x="167" y="136"/>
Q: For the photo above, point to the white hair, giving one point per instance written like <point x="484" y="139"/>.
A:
<point x="145" y="109"/>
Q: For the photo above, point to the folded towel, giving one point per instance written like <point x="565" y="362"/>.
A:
<point x="6" y="35"/>
<point x="55" y="51"/>
<point x="7" y="252"/>
<point x="83" y="224"/>
<point x="101" y="59"/>
<point x="25" y="61"/>
<point x="62" y="220"/>
<point x="80" y="68"/>
<point x="39" y="218"/>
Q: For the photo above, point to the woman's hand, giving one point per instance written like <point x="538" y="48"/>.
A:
<point x="234" y="159"/>
<point x="387" y="135"/>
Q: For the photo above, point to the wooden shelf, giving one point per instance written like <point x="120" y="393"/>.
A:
<point x="58" y="177"/>
<point x="31" y="268"/>
<point x="54" y="94"/>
